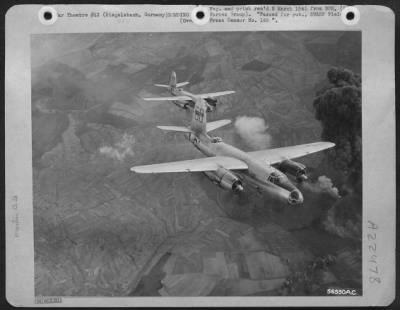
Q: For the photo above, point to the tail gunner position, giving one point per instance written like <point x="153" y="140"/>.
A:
<point x="232" y="168"/>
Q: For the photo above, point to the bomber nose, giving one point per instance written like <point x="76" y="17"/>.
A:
<point x="295" y="197"/>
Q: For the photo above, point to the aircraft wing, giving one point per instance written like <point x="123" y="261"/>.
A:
<point x="174" y="98"/>
<point x="216" y="94"/>
<point x="273" y="156"/>
<point x="187" y="98"/>
<point x="193" y="165"/>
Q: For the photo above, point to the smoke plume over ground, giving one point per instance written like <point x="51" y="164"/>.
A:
<point x="121" y="149"/>
<point x="323" y="185"/>
<point x="344" y="218"/>
<point x="253" y="130"/>
<point x="338" y="107"/>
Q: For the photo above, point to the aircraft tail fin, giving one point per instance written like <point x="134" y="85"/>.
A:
<point x="172" y="80"/>
<point x="174" y="128"/>
<point x="217" y="124"/>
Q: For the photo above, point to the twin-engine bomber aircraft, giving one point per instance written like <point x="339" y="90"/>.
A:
<point x="183" y="99"/>
<point x="265" y="170"/>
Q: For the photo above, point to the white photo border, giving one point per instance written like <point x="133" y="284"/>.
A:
<point x="378" y="149"/>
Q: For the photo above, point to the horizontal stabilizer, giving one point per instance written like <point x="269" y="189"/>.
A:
<point x="174" y="128"/>
<point x="182" y="84"/>
<point x="162" y="85"/>
<point x="217" y="124"/>
<point x="216" y="94"/>
<point x="174" y="98"/>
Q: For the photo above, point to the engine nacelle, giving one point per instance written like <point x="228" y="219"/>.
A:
<point x="182" y="104"/>
<point x="293" y="168"/>
<point x="295" y="197"/>
<point x="225" y="179"/>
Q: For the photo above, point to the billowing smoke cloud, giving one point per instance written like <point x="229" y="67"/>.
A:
<point x="121" y="149"/>
<point x="343" y="227"/>
<point x="338" y="108"/>
<point x="253" y="131"/>
<point x="322" y="185"/>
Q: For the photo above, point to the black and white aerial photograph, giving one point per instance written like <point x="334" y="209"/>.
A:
<point x="197" y="163"/>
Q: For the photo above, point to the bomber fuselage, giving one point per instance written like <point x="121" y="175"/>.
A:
<point x="178" y="91"/>
<point x="264" y="175"/>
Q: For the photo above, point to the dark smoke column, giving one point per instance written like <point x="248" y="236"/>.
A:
<point x="338" y="107"/>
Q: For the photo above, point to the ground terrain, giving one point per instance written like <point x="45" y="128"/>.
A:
<point x="101" y="230"/>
